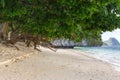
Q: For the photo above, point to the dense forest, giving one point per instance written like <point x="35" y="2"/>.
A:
<point x="40" y="21"/>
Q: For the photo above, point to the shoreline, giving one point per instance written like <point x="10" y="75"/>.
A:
<point x="65" y="64"/>
<point x="114" y="65"/>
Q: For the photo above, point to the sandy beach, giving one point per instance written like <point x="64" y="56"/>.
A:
<point x="65" y="64"/>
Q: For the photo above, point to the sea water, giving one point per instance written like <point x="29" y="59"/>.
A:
<point x="108" y="54"/>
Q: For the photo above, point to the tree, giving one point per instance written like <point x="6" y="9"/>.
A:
<point x="72" y="19"/>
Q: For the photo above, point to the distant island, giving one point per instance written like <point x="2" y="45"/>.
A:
<point x="112" y="42"/>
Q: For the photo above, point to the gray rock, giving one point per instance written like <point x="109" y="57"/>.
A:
<point x="63" y="43"/>
<point x="84" y="43"/>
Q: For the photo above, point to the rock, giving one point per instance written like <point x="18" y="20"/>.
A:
<point x="112" y="42"/>
<point x="65" y="43"/>
<point x="84" y="43"/>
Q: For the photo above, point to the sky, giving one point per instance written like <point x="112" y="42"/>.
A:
<point x="115" y="34"/>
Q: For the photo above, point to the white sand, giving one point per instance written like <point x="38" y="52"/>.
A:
<point x="61" y="65"/>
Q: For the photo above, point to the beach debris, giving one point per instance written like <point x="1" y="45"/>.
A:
<point x="6" y="65"/>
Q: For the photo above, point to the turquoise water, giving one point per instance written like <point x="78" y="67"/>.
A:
<point x="110" y="55"/>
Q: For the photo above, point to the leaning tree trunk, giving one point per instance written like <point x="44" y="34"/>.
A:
<point x="3" y="31"/>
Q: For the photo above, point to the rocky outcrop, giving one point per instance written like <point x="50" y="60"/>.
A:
<point x="63" y="43"/>
<point x="91" y="42"/>
<point x="84" y="43"/>
<point x="112" y="42"/>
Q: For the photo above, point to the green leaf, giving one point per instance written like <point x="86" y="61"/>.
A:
<point x="3" y="3"/>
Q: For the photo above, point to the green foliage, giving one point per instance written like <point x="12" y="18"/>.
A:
<point x="72" y="19"/>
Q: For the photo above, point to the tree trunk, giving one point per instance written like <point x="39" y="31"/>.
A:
<point x="3" y="31"/>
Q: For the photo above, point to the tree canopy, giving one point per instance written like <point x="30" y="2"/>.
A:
<point x="73" y="19"/>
